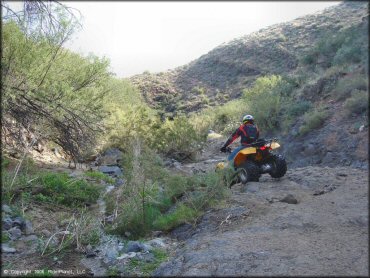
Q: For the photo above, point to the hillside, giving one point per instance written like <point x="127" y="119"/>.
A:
<point x="221" y="74"/>
<point x="322" y="111"/>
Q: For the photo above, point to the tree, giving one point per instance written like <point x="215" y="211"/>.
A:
<point x="46" y="89"/>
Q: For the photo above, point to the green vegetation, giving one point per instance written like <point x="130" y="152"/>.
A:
<point x="155" y="198"/>
<point x="31" y="184"/>
<point x="146" y="268"/>
<point x="338" y="48"/>
<point x="99" y="176"/>
<point x="266" y="99"/>
<point x="313" y="119"/>
<point x="358" y="103"/>
<point x="182" y="214"/>
<point x="348" y="84"/>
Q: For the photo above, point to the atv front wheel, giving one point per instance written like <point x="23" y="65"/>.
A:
<point x="249" y="171"/>
<point x="278" y="165"/>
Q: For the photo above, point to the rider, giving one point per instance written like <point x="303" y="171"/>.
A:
<point x="248" y="132"/>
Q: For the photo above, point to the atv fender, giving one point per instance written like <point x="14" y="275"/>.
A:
<point x="241" y="155"/>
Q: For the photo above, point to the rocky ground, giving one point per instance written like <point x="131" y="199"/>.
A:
<point x="312" y="221"/>
<point x="23" y="238"/>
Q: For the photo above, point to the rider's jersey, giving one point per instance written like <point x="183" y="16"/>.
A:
<point x="248" y="133"/>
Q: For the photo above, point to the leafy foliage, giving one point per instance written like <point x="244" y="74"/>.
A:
<point x="51" y="91"/>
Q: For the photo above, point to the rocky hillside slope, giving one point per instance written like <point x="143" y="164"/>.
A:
<point x="326" y="56"/>
<point x="225" y="71"/>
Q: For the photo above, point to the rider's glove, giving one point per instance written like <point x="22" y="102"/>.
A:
<point x="223" y="149"/>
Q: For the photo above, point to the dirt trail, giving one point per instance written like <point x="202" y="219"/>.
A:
<point x="325" y="233"/>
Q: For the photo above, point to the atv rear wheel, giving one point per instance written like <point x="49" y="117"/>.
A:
<point x="249" y="171"/>
<point x="278" y="165"/>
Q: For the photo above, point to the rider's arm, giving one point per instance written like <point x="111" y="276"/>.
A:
<point x="233" y="137"/>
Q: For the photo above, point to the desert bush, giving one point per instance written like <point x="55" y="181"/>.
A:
<point x="219" y="118"/>
<point x="176" y="138"/>
<point x="265" y="100"/>
<point x="357" y="103"/>
<point x="298" y="108"/>
<point x="198" y="90"/>
<point x="313" y="119"/>
<point x="347" y="84"/>
<point x="349" y="45"/>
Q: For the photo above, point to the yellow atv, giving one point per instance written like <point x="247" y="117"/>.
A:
<point x="255" y="159"/>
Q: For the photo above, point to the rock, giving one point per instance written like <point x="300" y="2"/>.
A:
<point x="14" y="233"/>
<point x="120" y="182"/>
<point x="112" y="170"/>
<point x="28" y="229"/>
<point x="6" y="249"/>
<point x="120" y="247"/>
<point x="157" y="233"/>
<point x="251" y="187"/>
<point x="7" y="223"/>
<point x="20" y="222"/>
<point x="329" y="157"/>
<point x="31" y="238"/>
<point x="90" y="254"/>
<point x="6" y="209"/>
<point x="310" y="149"/>
<point x="318" y="192"/>
<point x="134" y="246"/>
<point x="88" y="248"/>
<point x="128" y="255"/>
<point x="289" y="199"/>
<point x="46" y="233"/>
<point x="127" y="234"/>
<point x="157" y="242"/>
<point x="177" y="165"/>
<point x="111" y="254"/>
<point x="147" y="257"/>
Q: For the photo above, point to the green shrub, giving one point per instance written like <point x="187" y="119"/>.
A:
<point x="298" y="108"/>
<point x="264" y="100"/>
<point x="313" y="119"/>
<point x="99" y="176"/>
<point x="357" y="103"/>
<point x="176" y="138"/>
<point x="146" y="268"/>
<point x="4" y="162"/>
<point x="49" y="187"/>
<point x="151" y="191"/>
<point x="181" y="215"/>
<point x="342" y="47"/>
<point x="346" y="85"/>
<point x="62" y="189"/>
